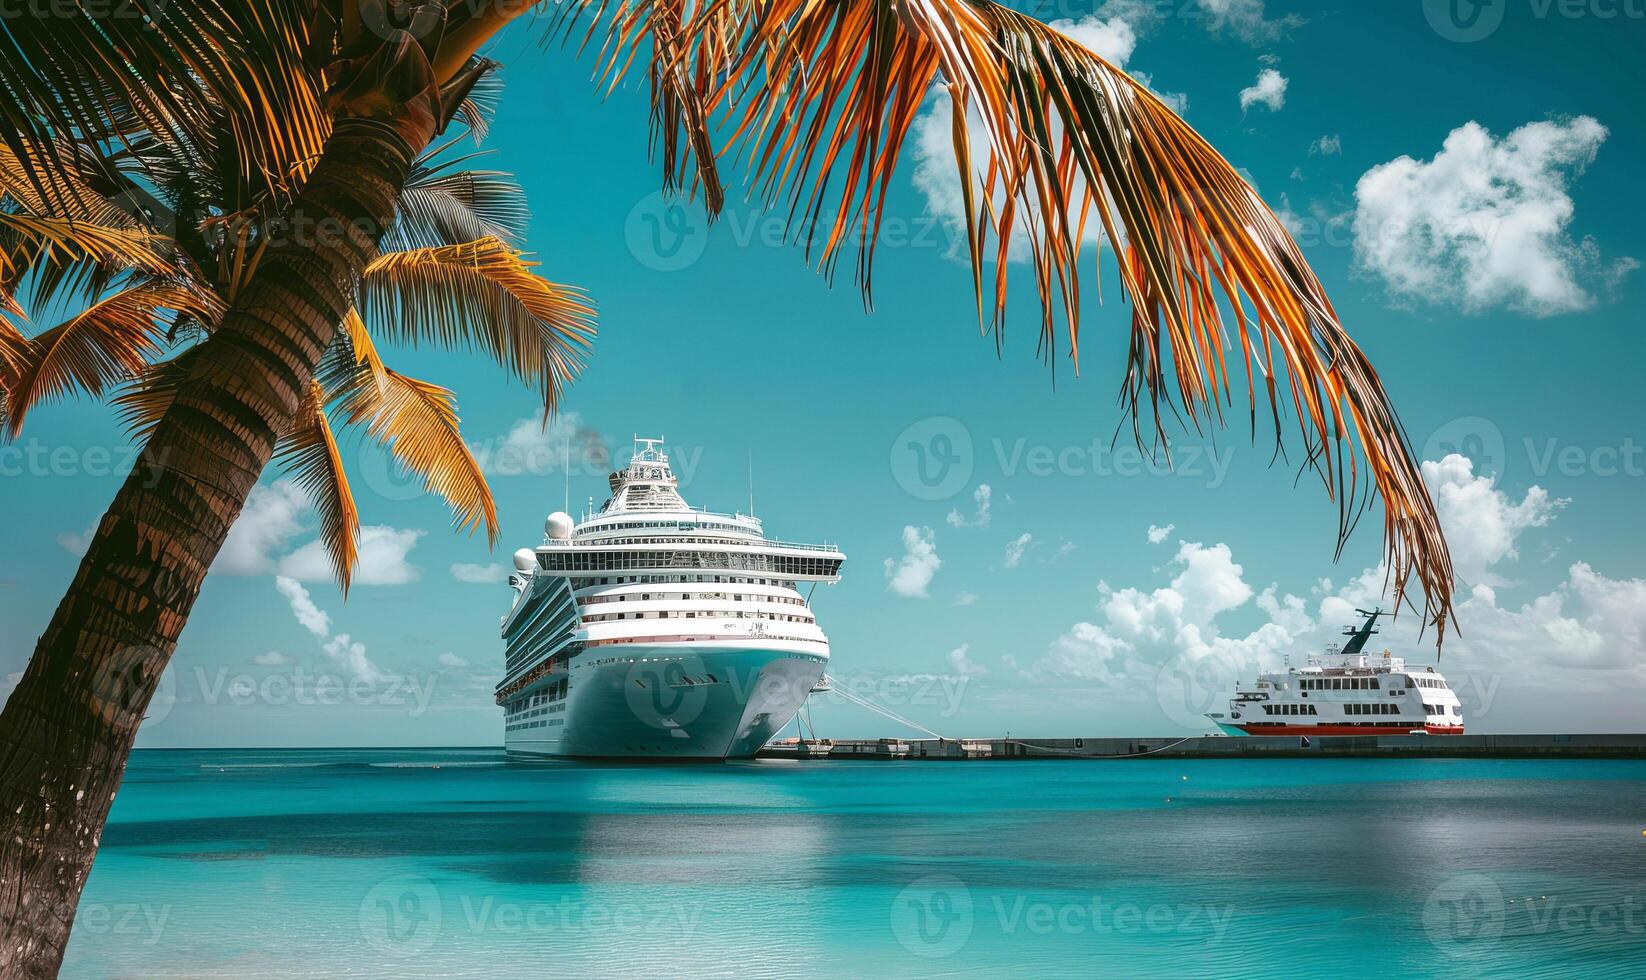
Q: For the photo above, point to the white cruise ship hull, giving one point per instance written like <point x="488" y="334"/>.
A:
<point x="682" y="701"/>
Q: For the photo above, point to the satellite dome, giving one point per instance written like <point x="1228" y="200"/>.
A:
<point x="559" y="526"/>
<point x="525" y="560"/>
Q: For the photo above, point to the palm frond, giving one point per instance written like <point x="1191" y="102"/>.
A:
<point x="308" y="449"/>
<point x="142" y="403"/>
<point x="481" y="294"/>
<point x="66" y="239"/>
<point x="79" y="201"/>
<point x="442" y="207"/>
<point x="107" y="344"/>
<point x="109" y="78"/>
<point x="417" y="422"/>
<point x="822" y="95"/>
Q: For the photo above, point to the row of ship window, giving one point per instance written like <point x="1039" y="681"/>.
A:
<point x="1339" y="684"/>
<point x="554" y="692"/>
<point x="695" y="614"/>
<point x="723" y="596"/>
<point x="584" y="561"/>
<point x="1369" y="708"/>
<point x="584" y="583"/>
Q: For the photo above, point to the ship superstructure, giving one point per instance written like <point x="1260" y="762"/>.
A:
<point x="654" y="629"/>
<point x="1346" y="691"/>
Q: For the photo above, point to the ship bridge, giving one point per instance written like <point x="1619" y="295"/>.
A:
<point x="647" y="483"/>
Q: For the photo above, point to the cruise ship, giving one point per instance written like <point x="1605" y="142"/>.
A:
<point x="651" y="629"/>
<point x="1346" y="691"/>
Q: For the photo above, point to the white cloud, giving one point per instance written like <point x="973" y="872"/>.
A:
<point x="1247" y="20"/>
<point x="1293" y="222"/>
<point x="962" y="664"/>
<point x="982" y="498"/>
<point x="466" y="572"/>
<point x="910" y="575"/>
<point x="1112" y="33"/>
<point x="1326" y="146"/>
<point x="341" y="650"/>
<point x="1269" y="90"/>
<point x="312" y="617"/>
<point x="351" y="657"/>
<point x="77" y="544"/>
<point x="1485" y="223"/>
<point x="1589" y="622"/>
<point x="965" y="598"/>
<point x="1137" y="631"/>
<point x="1481" y="522"/>
<point x="1113" y="39"/>
<point x="1017" y="547"/>
<point x="271" y="658"/>
<point x="382" y="561"/>
<point x="1158" y="535"/>
<point x="532" y="446"/>
<point x="449" y="659"/>
<point x="269" y="520"/>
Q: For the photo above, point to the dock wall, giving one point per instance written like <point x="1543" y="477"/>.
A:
<point x="1230" y="747"/>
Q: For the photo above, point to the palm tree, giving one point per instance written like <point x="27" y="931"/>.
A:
<point x="452" y="275"/>
<point x="328" y="103"/>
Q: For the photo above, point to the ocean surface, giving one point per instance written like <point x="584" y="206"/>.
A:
<point x="455" y="863"/>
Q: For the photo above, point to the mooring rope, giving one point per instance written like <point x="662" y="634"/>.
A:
<point x="887" y="712"/>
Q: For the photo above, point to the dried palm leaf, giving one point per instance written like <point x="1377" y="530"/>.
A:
<point x="481" y="294"/>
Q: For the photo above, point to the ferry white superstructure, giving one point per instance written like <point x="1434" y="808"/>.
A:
<point x="652" y="629"/>
<point x="1346" y="692"/>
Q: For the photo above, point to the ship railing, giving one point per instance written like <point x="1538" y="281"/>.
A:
<point x="699" y="539"/>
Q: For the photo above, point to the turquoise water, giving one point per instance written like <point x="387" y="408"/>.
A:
<point x="379" y="863"/>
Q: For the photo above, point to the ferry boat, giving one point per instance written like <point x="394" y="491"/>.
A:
<point x="1346" y="692"/>
<point x="652" y="629"/>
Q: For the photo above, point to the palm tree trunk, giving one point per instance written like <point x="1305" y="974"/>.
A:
<point x="68" y="728"/>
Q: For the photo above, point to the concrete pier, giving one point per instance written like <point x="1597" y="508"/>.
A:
<point x="1222" y="747"/>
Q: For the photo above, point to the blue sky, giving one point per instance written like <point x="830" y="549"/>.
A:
<point x="1472" y="206"/>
